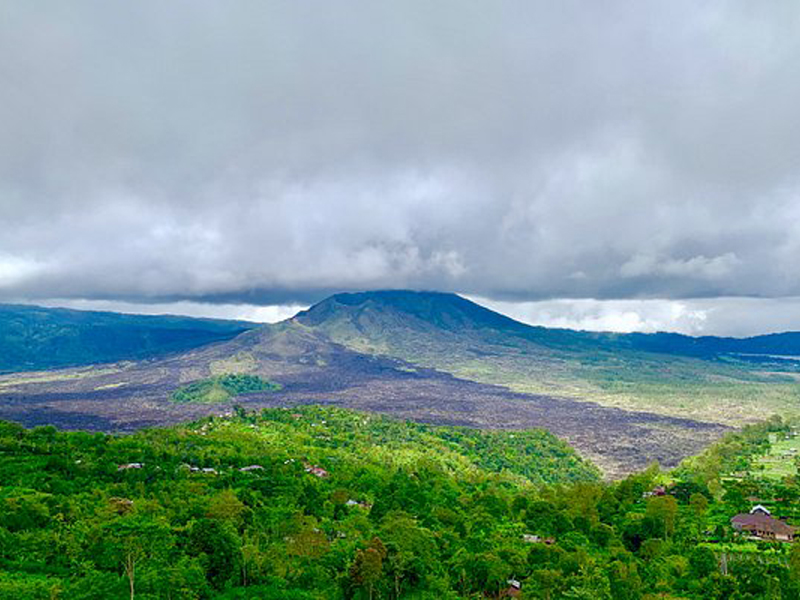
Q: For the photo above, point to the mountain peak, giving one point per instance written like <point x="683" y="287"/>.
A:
<point x="439" y="309"/>
<point x="391" y="296"/>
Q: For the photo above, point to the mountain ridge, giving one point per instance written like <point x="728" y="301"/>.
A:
<point x="36" y="337"/>
<point x="435" y="308"/>
<point x="727" y="380"/>
<point x="657" y="341"/>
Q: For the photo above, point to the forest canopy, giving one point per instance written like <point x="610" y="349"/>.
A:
<point x="314" y="503"/>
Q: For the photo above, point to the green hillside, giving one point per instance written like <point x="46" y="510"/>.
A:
<point x="700" y="378"/>
<point x="33" y="337"/>
<point x="320" y="503"/>
<point x="77" y="508"/>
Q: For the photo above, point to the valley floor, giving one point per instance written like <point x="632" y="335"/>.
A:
<point x="129" y="396"/>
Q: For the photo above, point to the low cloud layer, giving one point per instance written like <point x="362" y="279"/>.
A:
<point x="740" y="317"/>
<point x="274" y="152"/>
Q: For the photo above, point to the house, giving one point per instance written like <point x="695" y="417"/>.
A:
<point x="251" y="468"/>
<point x="659" y="490"/>
<point x="535" y="539"/>
<point x="760" y="524"/>
<point x="128" y="466"/>
<point x="514" y="589"/>
<point x="315" y="470"/>
<point x="760" y="509"/>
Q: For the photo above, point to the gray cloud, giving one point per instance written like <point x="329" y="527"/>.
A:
<point x="272" y="152"/>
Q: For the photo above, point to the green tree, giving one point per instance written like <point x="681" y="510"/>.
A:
<point x="660" y="516"/>
<point x="137" y="539"/>
<point x="367" y="567"/>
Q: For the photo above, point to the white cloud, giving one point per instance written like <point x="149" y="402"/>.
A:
<point x="608" y="315"/>
<point x="15" y="271"/>
<point x="245" y="312"/>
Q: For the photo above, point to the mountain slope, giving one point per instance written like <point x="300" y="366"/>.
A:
<point x="33" y="337"/>
<point x="370" y="313"/>
<point x="703" y="378"/>
<point x="435" y="358"/>
<point x="312" y="369"/>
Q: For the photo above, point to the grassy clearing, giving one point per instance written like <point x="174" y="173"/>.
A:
<point x="111" y="386"/>
<point x="742" y="547"/>
<point x="241" y="362"/>
<point x="56" y="376"/>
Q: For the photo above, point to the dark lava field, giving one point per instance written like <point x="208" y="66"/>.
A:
<point x="123" y="397"/>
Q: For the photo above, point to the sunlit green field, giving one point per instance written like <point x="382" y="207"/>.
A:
<point x="781" y="460"/>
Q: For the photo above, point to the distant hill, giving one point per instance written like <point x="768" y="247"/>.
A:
<point x="449" y="312"/>
<point x="33" y="337"/>
<point x="310" y="368"/>
<point x="775" y="345"/>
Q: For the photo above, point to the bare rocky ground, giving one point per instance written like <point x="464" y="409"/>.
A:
<point x="126" y="397"/>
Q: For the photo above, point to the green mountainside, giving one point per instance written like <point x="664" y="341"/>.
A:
<point x="723" y="380"/>
<point x="33" y="338"/>
<point x="312" y="503"/>
<point x="451" y="312"/>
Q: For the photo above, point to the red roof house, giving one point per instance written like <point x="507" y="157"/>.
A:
<point x="763" y="526"/>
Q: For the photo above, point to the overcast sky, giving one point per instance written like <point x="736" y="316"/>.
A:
<point x="628" y="165"/>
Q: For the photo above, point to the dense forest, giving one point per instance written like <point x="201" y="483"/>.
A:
<point x="315" y="502"/>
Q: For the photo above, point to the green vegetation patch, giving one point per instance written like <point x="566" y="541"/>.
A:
<point x="223" y="387"/>
<point x="783" y="457"/>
